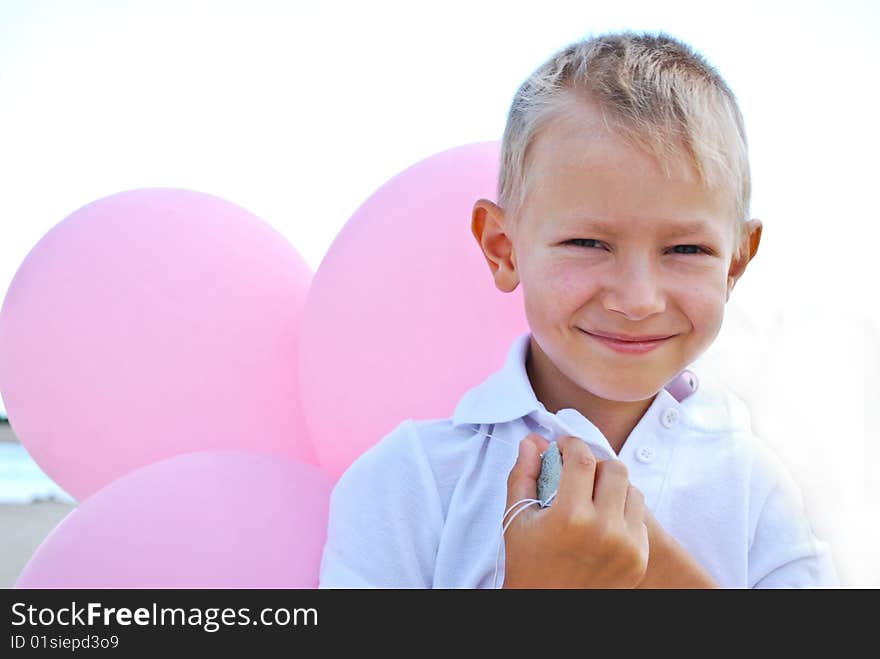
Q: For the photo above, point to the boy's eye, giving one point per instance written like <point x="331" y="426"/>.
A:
<point x="690" y="249"/>
<point x="580" y="242"/>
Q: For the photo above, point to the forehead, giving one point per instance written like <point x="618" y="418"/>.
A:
<point x="580" y="169"/>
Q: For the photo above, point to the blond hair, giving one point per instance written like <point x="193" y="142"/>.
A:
<point x="660" y="95"/>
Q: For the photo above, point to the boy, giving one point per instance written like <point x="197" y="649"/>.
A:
<point x="622" y="211"/>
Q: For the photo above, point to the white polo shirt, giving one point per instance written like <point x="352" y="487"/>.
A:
<point x="423" y="507"/>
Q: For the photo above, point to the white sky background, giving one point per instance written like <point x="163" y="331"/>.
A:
<point x="298" y="111"/>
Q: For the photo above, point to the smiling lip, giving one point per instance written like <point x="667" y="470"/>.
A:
<point x="629" y="345"/>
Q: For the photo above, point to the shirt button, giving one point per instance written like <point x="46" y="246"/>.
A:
<point x="669" y="417"/>
<point x="645" y="454"/>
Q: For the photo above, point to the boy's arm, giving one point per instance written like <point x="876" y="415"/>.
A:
<point x="670" y="565"/>
<point x="784" y="552"/>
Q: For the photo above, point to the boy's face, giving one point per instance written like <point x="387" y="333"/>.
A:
<point x="601" y="246"/>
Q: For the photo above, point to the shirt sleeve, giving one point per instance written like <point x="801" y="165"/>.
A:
<point x="784" y="552"/>
<point x="385" y="518"/>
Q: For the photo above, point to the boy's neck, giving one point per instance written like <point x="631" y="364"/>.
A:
<point x="615" y="419"/>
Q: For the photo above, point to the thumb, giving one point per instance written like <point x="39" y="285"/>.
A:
<point x="522" y="483"/>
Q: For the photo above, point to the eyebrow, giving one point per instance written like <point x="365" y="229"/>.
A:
<point x="683" y="228"/>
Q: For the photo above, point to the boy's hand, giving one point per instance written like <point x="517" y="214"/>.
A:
<point x="594" y="534"/>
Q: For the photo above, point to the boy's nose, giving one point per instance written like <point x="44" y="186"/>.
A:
<point x="635" y="292"/>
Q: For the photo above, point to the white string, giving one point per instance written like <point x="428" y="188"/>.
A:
<point x="549" y="499"/>
<point x="518" y="507"/>
<point x="498" y="439"/>
<point x="523" y="503"/>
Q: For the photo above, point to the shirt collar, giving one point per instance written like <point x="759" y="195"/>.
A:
<point x="505" y="395"/>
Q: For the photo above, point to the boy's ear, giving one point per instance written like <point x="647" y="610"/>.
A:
<point x="749" y="247"/>
<point x="488" y="227"/>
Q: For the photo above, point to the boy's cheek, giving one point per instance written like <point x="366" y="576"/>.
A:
<point x="702" y="336"/>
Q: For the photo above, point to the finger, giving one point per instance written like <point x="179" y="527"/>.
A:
<point x="644" y="542"/>
<point x="578" y="474"/>
<point x="637" y="519"/>
<point x="654" y="528"/>
<point x="635" y="510"/>
<point x="609" y="492"/>
<point x="522" y="482"/>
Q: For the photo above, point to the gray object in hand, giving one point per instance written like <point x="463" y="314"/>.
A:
<point x="551" y="470"/>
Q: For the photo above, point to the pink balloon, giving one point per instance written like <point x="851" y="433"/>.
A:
<point x="403" y="315"/>
<point x="225" y="519"/>
<point x="148" y="324"/>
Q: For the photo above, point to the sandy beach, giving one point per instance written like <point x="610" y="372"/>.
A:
<point x="23" y="526"/>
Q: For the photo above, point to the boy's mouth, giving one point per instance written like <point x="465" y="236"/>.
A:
<point x="629" y="344"/>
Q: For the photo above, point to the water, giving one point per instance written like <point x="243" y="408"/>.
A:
<point x="22" y="480"/>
